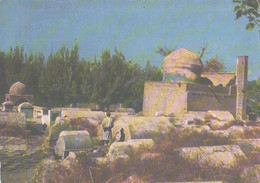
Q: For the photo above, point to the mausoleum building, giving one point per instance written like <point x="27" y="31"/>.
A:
<point x="17" y="94"/>
<point x="186" y="88"/>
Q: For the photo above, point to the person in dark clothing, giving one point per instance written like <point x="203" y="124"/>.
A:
<point x="120" y="135"/>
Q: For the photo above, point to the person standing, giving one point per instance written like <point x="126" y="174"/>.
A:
<point x="120" y="135"/>
<point x="107" y="125"/>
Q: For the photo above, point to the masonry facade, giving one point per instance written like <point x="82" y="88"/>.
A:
<point x="186" y="88"/>
<point x="17" y="94"/>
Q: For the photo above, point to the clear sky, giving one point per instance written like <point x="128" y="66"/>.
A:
<point x="136" y="28"/>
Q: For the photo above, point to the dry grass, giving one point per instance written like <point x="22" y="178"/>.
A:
<point x="167" y="167"/>
<point x="12" y="130"/>
<point x="84" y="124"/>
<point x="189" y="138"/>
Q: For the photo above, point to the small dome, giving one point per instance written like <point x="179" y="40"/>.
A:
<point x="183" y="62"/>
<point x="17" y="88"/>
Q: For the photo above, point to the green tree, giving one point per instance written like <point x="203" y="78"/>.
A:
<point x="214" y="65"/>
<point x="148" y="73"/>
<point x="13" y="64"/>
<point x="62" y="78"/>
<point x="30" y="75"/>
<point x="85" y="80"/>
<point x="113" y="77"/>
<point x="253" y="96"/>
<point x="3" y="84"/>
<point x="31" y="71"/>
<point x="58" y="82"/>
<point x="250" y="10"/>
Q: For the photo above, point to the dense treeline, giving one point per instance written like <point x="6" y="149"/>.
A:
<point x="253" y="96"/>
<point x="63" y="78"/>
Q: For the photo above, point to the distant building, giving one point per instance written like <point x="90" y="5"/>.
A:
<point x="27" y="109"/>
<point x="186" y="88"/>
<point x="7" y="106"/>
<point x="17" y="94"/>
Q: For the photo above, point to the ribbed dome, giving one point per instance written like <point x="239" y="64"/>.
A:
<point x="182" y="61"/>
<point x="17" y="88"/>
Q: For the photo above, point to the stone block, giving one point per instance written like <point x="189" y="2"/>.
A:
<point x="223" y="157"/>
<point x="215" y="124"/>
<point x="144" y="127"/>
<point x="219" y="115"/>
<point x="191" y="116"/>
<point x="122" y="148"/>
<point x="72" y="141"/>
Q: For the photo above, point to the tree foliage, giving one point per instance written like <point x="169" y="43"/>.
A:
<point x="214" y="65"/>
<point x="253" y="96"/>
<point x="250" y="10"/>
<point x="63" y="78"/>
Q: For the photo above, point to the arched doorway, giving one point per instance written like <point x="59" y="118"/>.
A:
<point x="19" y="101"/>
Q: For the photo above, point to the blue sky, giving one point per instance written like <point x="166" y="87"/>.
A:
<point x="136" y="28"/>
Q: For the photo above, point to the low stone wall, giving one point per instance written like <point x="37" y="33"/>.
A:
<point x="13" y="118"/>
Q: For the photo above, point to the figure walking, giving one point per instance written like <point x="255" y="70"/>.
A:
<point x="107" y="125"/>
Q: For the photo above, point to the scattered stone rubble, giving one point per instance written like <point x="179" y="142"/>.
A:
<point x="142" y="132"/>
